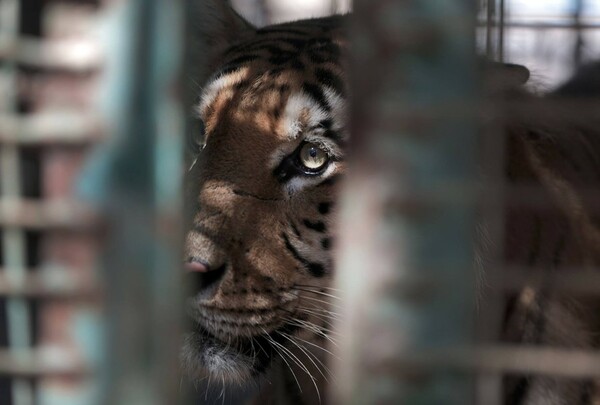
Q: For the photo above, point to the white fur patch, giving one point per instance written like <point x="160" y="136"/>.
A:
<point x="299" y="105"/>
<point x="211" y="91"/>
<point x="223" y="363"/>
<point x="338" y="109"/>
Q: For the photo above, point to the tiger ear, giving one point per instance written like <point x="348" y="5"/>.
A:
<point x="213" y="25"/>
<point x="501" y="76"/>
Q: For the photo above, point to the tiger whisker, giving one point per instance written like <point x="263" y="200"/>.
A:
<point x="323" y="312"/>
<point x="314" y="325"/>
<point x="316" y="307"/>
<point x="311" y="327"/>
<point x="321" y="301"/>
<point x="207" y="388"/>
<point x="322" y="328"/>
<point x="304" y="351"/>
<point x="317" y="286"/>
<point x="274" y="346"/>
<point x="323" y="317"/>
<point x="295" y="339"/>
<point x="222" y="395"/>
<point x="294" y="358"/>
<point x="317" y="292"/>
<point x="318" y="347"/>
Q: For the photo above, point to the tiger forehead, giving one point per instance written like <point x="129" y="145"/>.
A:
<point x="262" y="71"/>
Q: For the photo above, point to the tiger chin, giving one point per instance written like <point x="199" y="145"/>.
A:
<point x="260" y="240"/>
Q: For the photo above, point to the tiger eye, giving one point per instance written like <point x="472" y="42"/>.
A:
<point x="313" y="157"/>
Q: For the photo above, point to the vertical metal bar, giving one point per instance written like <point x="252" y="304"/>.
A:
<point x="334" y="6"/>
<point x="405" y="260"/>
<point x="502" y="16"/>
<point x="13" y="239"/>
<point x="490" y="13"/>
<point x="579" y="44"/>
<point x="142" y="262"/>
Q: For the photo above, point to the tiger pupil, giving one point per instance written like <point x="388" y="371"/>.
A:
<point x="313" y="152"/>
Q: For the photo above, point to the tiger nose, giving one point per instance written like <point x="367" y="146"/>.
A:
<point x="201" y="275"/>
<point x="196" y="267"/>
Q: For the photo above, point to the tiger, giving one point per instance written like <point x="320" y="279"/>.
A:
<point x="556" y="157"/>
<point x="260" y="241"/>
<point x="260" y="246"/>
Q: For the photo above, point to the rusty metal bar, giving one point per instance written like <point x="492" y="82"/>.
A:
<point x="542" y="25"/>
<point x="59" y="127"/>
<point x="50" y="284"/>
<point x="570" y="281"/>
<point x="573" y="363"/>
<point x="36" y="363"/>
<point x="501" y="27"/>
<point x="33" y="214"/>
<point x="81" y="55"/>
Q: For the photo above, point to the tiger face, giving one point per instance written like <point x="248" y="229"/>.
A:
<point x="260" y="241"/>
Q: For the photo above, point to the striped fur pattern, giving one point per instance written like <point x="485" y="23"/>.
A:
<point x="263" y="223"/>
<point x="264" y="227"/>
<point x="557" y="154"/>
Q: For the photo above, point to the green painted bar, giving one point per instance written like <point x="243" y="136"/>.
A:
<point x="405" y="263"/>
<point x="137" y="178"/>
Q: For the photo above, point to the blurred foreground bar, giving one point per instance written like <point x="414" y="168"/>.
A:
<point x="142" y="179"/>
<point x="405" y="262"/>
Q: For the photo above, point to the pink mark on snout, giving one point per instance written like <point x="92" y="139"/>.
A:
<point x="196" y="267"/>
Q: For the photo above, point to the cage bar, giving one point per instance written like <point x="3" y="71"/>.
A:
<point x="406" y="269"/>
<point x="141" y="193"/>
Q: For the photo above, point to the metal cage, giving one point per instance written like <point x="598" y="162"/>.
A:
<point x="93" y="117"/>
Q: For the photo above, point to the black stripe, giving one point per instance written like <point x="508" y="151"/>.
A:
<point x="243" y="193"/>
<point x="326" y="123"/>
<point x="316" y="93"/>
<point x="315" y="269"/>
<point x="295" y="229"/>
<point x="327" y="47"/>
<point x="295" y="42"/>
<point x="333" y="135"/>
<point x="331" y="180"/>
<point x="252" y="46"/>
<point x="324" y="207"/>
<point x="327" y="78"/>
<point x="296" y="64"/>
<point x="276" y="71"/>
<point x="274" y="50"/>
<point x="318" y="57"/>
<point x="243" y="59"/>
<point x="315" y="226"/>
<point x="280" y="30"/>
